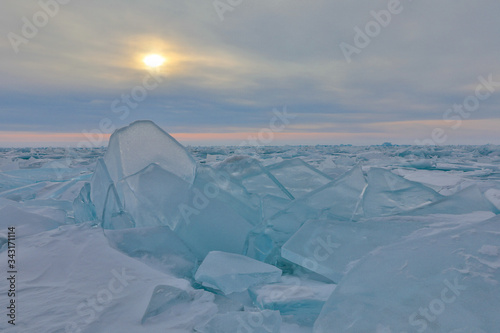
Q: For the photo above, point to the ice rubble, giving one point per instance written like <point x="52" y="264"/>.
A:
<point x="240" y="217"/>
<point x="297" y="239"/>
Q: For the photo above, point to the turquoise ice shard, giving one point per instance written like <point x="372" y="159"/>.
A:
<point x="229" y="272"/>
<point x="99" y="187"/>
<point x="390" y="194"/>
<point x="83" y="206"/>
<point x="114" y="215"/>
<point x="342" y="198"/>
<point x="266" y="321"/>
<point x="134" y="147"/>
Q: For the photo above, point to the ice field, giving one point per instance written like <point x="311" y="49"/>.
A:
<point x="149" y="236"/>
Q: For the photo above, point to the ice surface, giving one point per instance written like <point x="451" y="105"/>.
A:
<point x="389" y="194"/>
<point x="231" y="273"/>
<point x="442" y="280"/>
<point x="26" y="224"/>
<point x="136" y="146"/>
<point x="466" y="201"/>
<point x="296" y="297"/>
<point x="159" y="224"/>
<point x="244" y="322"/>
<point x="163" y="298"/>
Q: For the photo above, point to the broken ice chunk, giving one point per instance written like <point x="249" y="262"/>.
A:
<point x="298" y="177"/>
<point x="163" y="298"/>
<point x="390" y="194"/>
<point x="230" y="272"/>
<point x="99" y="186"/>
<point x="114" y="216"/>
<point x="136" y="146"/>
<point x="342" y="198"/>
<point x="293" y="296"/>
<point x="83" y="207"/>
<point x="266" y="321"/>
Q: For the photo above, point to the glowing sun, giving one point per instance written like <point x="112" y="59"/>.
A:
<point x="154" y="60"/>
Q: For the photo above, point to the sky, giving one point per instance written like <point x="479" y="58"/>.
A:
<point x="258" y="72"/>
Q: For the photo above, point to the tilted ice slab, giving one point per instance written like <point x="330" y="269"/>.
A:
<point x="436" y="280"/>
<point x="389" y="194"/>
<point x="136" y="146"/>
<point x="298" y="177"/>
<point x="230" y="272"/>
<point x="332" y="248"/>
<point x="253" y="176"/>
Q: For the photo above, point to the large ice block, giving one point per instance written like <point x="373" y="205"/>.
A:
<point x="136" y="146"/>
<point x="266" y="321"/>
<point x="298" y="177"/>
<point x="440" y="279"/>
<point x="297" y="297"/>
<point x="389" y="194"/>
<point x="229" y="272"/>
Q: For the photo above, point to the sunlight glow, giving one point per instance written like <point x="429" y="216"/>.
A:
<point x="154" y="60"/>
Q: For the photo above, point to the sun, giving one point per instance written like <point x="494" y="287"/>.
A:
<point x="154" y="60"/>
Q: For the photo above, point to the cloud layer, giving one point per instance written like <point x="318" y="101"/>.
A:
<point x="226" y="76"/>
